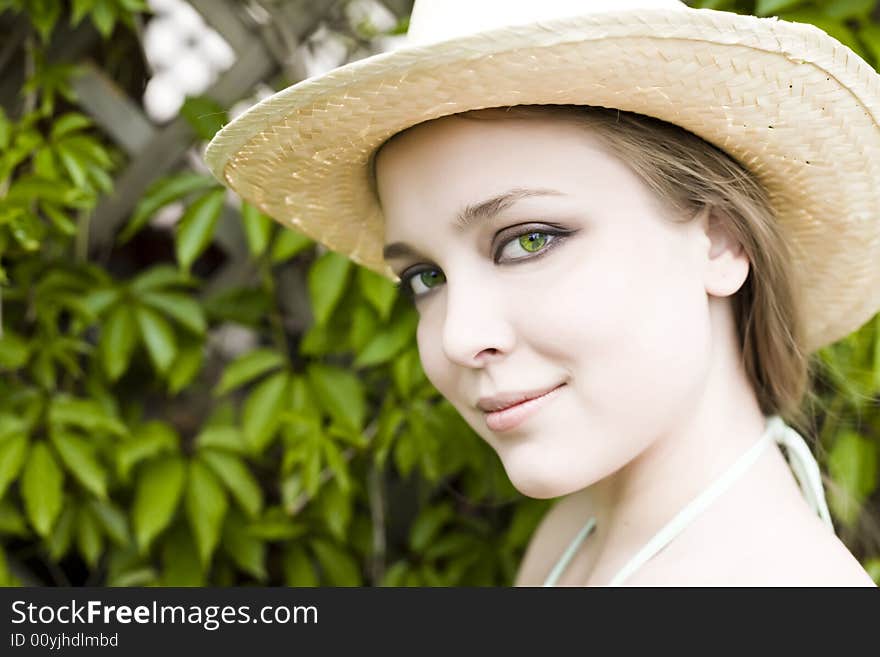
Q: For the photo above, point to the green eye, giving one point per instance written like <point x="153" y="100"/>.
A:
<point x="532" y="242"/>
<point x="431" y="277"/>
<point x="416" y="284"/>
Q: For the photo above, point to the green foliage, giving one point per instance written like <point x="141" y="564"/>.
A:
<point x="134" y="444"/>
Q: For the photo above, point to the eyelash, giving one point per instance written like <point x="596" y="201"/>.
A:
<point x="556" y="235"/>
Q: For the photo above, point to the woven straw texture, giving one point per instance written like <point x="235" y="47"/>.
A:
<point x="793" y="105"/>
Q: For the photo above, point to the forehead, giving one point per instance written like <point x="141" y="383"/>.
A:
<point x="479" y="129"/>
<point x="437" y="167"/>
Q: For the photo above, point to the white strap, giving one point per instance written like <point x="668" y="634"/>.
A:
<point x="569" y="553"/>
<point x="800" y="459"/>
<point x="804" y="466"/>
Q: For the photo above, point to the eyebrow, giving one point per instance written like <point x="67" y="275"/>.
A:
<point x="471" y="214"/>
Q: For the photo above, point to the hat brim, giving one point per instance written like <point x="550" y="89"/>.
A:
<point x="792" y="104"/>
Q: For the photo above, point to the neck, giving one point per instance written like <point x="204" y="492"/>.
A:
<point x="633" y="503"/>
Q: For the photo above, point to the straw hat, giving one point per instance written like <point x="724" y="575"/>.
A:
<point x="792" y="104"/>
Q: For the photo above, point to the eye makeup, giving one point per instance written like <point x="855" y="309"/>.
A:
<point x="556" y="235"/>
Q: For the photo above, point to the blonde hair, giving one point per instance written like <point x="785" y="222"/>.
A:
<point x="688" y="175"/>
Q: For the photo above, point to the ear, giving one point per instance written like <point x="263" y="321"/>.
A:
<point x="726" y="265"/>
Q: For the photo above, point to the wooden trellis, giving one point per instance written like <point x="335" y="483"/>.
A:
<point x="264" y="35"/>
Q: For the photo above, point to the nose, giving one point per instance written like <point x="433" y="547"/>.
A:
<point x="476" y="327"/>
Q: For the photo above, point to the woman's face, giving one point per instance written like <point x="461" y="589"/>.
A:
<point x="566" y="274"/>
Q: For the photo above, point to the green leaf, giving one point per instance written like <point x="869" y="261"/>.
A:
<point x="88" y="414"/>
<point x="289" y="243"/>
<point x="427" y="526"/>
<point x="206" y="506"/>
<point x="336" y="510"/>
<point x="179" y="307"/>
<point x="59" y="219"/>
<point x="257" y="229"/>
<point x="12" y="522"/>
<point x="75" y="168"/>
<point x="196" y="228"/>
<point x="97" y="301"/>
<point x="323" y="340"/>
<point x="88" y="149"/>
<point x="14" y="351"/>
<point x="10" y="425"/>
<point x="27" y="230"/>
<point x="340" y="393"/>
<point x="161" y="193"/>
<point x="248" y="552"/>
<point x="118" y="340"/>
<point x="5" y="131"/>
<point x="60" y="539"/>
<point x="185" y="367"/>
<point x="44" y="15"/>
<point x="870" y="36"/>
<point x="312" y="464"/>
<point x="876" y="366"/>
<point x="405" y="453"/>
<point x="275" y="525"/>
<point x="67" y="123"/>
<point x="526" y="517"/>
<point x="339" y="567"/>
<point x="378" y="290"/>
<point x="12" y="453"/>
<point x="852" y="464"/>
<point x="156" y="497"/>
<point x="27" y="189"/>
<point x="223" y="437"/>
<point x="104" y="17"/>
<point x="364" y="326"/>
<point x="327" y="279"/>
<point x="160" y="277"/>
<point x="260" y="414"/>
<point x="407" y="373"/>
<point x="390" y="419"/>
<point x="291" y="488"/>
<point x="396" y="575"/>
<point x="388" y="343"/>
<point x="237" y="478"/>
<point x="80" y="9"/>
<point x="41" y="488"/>
<point x="181" y="565"/>
<point x="845" y="9"/>
<point x="247" y="306"/>
<point x="158" y="337"/>
<point x="89" y="539"/>
<point x="148" y="440"/>
<point x="247" y="367"/>
<point x="298" y="569"/>
<point x="204" y="115"/>
<point x="773" y="7"/>
<point x="78" y="456"/>
<point x="337" y="464"/>
<point x="112" y="520"/>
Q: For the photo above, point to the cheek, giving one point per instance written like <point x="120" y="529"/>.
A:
<point x="434" y="363"/>
<point x="633" y="327"/>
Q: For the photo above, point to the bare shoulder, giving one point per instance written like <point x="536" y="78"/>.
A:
<point x="806" y="554"/>
<point x="554" y="533"/>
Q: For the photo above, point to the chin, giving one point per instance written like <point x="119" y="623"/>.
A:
<point x="543" y="485"/>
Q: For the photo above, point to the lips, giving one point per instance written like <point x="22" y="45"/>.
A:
<point x="512" y="416"/>
<point x="507" y="400"/>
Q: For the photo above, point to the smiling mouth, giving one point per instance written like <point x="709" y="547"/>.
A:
<point x="512" y="416"/>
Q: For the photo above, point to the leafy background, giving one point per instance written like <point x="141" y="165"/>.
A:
<point x="224" y="402"/>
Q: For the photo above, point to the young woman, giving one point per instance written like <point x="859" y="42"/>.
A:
<point x="621" y="299"/>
